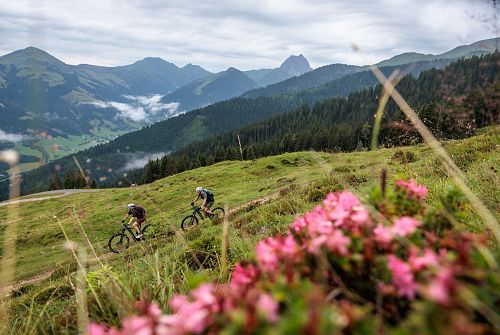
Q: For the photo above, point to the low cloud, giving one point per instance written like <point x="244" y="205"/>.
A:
<point x="10" y="137"/>
<point x="138" y="160"/>
<point x="141" y="108"/>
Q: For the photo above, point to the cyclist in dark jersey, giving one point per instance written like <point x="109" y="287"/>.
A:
<point x="138" y="214"/>
<point x="208" y="200"/>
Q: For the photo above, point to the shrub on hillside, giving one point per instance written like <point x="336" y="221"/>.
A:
<point x="404" y="156"/>
<point x="347" y="268"/>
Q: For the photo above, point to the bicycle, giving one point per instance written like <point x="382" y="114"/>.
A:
<point x="120" y="241"/>
<point x="192" y="220"/>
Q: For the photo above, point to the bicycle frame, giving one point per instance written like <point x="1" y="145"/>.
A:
<point x="127" y="227"/>
<point x="197" y="210"/>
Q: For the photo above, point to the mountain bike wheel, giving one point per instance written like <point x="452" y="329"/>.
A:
<point x="218" y="213"/>
<point x="189" y="222"/>
<point x="118" y="243"/>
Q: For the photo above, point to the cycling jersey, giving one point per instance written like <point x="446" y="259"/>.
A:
<point x="207" y="195"/>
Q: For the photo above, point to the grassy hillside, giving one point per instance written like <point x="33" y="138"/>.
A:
<point x="293" y="183"/>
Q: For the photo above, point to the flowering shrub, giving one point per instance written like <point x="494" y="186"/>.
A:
<point x="345" y="268"/>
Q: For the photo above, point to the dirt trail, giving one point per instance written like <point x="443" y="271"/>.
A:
<point x="5" y="290"/>
<point x="253" y="203"/>
<point x="65" y="193"/>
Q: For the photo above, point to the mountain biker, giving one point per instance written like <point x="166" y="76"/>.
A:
<point x="138" y="214"/>
<point x="208" y="200"/>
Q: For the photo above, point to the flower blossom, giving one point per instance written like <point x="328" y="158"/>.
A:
<point x="299" y="224"/>
<point x="383" y="235"/>
<point x="97" y="329"/>
<point x="405" y="226"/>
<point x="268" y="306"/>
<point x="147" y="324"/>
<point x="273" y="250"/>
<point x="402" y="277"/>
<point x="267" y="254"/>
<point x="192" y="316"/>
<point x="440" y="287"/>
<point x="345" y="210"/>
<point x="338" y="242"/>
<point x="429" y="259"/>
<point x="413" y="189"/>
<point x="318" y="222"/>
<point x="244" y="276"/>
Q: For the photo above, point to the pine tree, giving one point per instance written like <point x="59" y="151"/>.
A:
<point x="69" y="179"/>
<point x="80" y="181"/>
<point x="56" y="183"/>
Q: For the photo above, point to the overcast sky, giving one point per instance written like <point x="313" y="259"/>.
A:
<point x="246" y="34"/>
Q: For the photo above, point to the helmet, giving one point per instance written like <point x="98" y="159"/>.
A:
<point x="130" y="205"/>
<point x="199" y="189"/>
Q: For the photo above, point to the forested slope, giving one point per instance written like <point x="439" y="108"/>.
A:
<point x="453" y="103"/>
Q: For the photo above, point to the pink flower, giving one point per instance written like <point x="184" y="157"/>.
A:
<point x="417" y="263"/>
<point x="139" y="325"/>
<point x="317" y="222"/>
<point x="205" y="295"/>
<point x="345" y="211"/>
<point x="154" y="310"/>
<point x="244" y="276"/>
<point x="267" y="256"/>
<point x="347" y="200"/>
<point x="439" y="288"/>
<point x="360" y="216"/>
<point x="339" y="215"/>
<point x="330" y="200"/>
<point x="268" y="306"/>
<point x="340" y="207"/>
<point x="402" y="277"/>
<point x="97" y="329"/>
<point x="299" y="224"/>
<point x="178" y="301"/>
<point x="316" y="243"/>
<point x="192" y="320"/>
<point x="192" y="316"/>
<point x="338" y="242"/>
<point x="383" y="235"/>
<point x="413" y="189"/>
<point x="289" y="246"/>
<point x="405" y="226"/>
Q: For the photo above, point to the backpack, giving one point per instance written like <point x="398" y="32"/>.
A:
<point x="210" y="195"/>
<point x="138" y="211"/>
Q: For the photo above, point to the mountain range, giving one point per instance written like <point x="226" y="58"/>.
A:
<point x="259" y="118"/>
<point x="329" y="73"/>
<point x="49" y="103"/>
<point x="232" y="82"/>
<point x="77" y="106"/>
<point x="474" y="49"/>
<point x="45" y="100"/>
